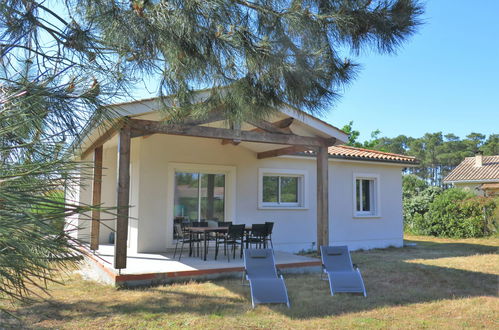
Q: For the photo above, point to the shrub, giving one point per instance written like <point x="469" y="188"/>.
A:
<point x="457" y="213"/>
<point x="415" y="207"/>
<point x="412" y="185"/>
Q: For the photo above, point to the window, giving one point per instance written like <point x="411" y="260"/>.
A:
<point x="366" y="195"/>
<point x="281" y="188"/>
<point x="199" y="196"/>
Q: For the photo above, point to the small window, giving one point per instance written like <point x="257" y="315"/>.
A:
<point x="365" y="196"/>
<point x="281" y="189"/>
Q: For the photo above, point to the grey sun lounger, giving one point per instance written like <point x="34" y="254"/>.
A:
<point x="343" y="275"/>
<point x="266" y="284"/>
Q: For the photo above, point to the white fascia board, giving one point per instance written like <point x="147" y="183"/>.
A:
<point x="316" y="124"/>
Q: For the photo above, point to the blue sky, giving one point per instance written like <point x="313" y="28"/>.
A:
<point x="445" y="78"/>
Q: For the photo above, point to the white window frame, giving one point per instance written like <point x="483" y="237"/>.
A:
<point x="376" y="213"/>
<point x="302" y="176"/>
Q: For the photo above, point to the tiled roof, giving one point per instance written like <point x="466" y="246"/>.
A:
<point x="353" y="153"/>
<point x="467" y="171"/>
<point x="348" y="152"/>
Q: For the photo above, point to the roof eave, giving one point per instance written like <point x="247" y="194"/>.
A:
<point x="470" y="181"/>
<point x="361" y="159"/>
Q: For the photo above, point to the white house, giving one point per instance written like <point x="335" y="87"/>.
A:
<point x="263" y="172"/>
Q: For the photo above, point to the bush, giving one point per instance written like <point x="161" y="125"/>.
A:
<point x="457" y="213"/>
<point x="416" y="206"/>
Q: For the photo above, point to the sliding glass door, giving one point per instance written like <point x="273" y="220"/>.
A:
<point x="199" y="196"/>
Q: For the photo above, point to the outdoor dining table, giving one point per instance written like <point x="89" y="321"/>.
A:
<point x="205" y="231"/>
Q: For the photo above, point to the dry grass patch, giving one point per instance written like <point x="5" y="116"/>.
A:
<point x="439" y="283"/>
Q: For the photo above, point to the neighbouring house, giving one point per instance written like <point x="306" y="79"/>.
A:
<point x="292" y="169"/>
<point x="479" y="174"/>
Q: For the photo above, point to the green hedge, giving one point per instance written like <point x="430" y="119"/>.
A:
<point x="455" y="213"/>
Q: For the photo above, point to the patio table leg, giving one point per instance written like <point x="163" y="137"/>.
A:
<point x="205" y="247"/>
<point x="190" y="243"/>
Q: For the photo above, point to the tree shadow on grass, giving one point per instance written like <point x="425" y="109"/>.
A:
<point x="393" y="277"/>
<point x="154" y="302"/>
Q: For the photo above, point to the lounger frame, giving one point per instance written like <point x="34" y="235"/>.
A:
<point x="277" y="275"/>
<point x="353" y="268"/>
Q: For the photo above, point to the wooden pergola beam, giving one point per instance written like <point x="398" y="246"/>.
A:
<point x="322" y="198"/>
<point x="145" y="127"/>
<point x="212" y="117"/>
<point x="96" y="198"/>
<point x="112" y="131"/>
<point x="269" y="127"/>
<point x="108" y="135"/>
<point x="282" y="124"/>
<point x="227" y="141"/>
<point x="282" y="151"/>
<point x="123" y="191"/>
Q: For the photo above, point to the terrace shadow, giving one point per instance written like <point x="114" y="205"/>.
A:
<point x="393" y="277"/>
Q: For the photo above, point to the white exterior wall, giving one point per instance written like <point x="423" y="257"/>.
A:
<point x="154" y="159"/>
<point x="159" y="152"/>
<point x="108" y="194"/>
<point x="473" y="187"/>
<point x="84" y="195"/>
<point x="380" y="231"/>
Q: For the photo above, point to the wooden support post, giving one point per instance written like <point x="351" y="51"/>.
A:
<point x="120" y="241"/>
<point x="322" y="198"/>
<point x="96" y="198"/>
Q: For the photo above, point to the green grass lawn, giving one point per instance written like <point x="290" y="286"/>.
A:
<point x="442" y="283"/>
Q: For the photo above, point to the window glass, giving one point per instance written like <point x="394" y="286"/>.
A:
<point x="199" y="196"/>
<point x="212" y="196"/>
<point x="186" y="195"/>
<point x="366" y="195"/>
<point x="289" y="189"/>
<point x="270" y="189"/>
<point x="357" y="194"/>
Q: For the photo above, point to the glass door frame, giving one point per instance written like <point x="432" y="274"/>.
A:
<point x="230" y="191"/>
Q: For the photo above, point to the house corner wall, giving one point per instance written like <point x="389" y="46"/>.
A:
<point x="381" y="231"/>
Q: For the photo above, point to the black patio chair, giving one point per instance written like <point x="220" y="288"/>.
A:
<point x="233" y="237"/>
<point x="183" y="221"/>
<point x="270" y="228"/>
<point x="199" y="237"/>
<point x="257" y="235"/>
<point x="183" y="237"/>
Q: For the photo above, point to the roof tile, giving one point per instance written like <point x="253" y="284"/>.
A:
<point x="353" y="153"/>
<point x="467" y="171"/>
<point x="349" y="152"/>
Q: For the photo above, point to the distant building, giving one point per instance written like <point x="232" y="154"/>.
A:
<point x="479" y="174"/>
